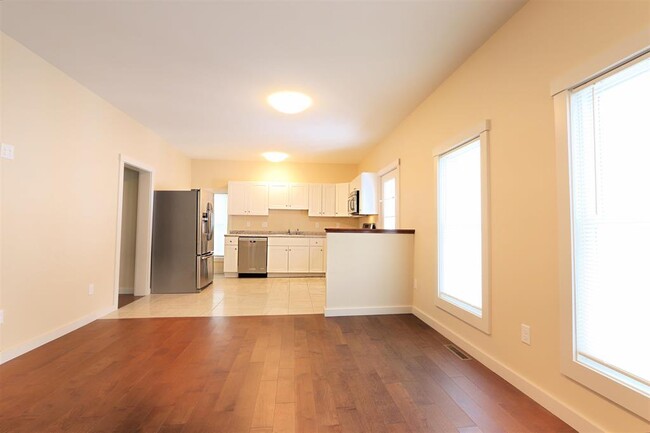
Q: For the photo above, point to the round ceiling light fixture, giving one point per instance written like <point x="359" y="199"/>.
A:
<point x="289" y="102"/>
<point x="275" y="156"/>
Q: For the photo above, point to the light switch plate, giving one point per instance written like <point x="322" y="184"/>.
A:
<point x="91" y="289"/>
<point x="2" y="317"/>
<point x="525" y="334"/>
<point x="6" y="151"/>
<point x="265" y="224"/>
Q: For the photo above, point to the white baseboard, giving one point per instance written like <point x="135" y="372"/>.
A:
<point x="560" y="409"/>
<point x="367" y="311"/>
<point x="14" y="352"/>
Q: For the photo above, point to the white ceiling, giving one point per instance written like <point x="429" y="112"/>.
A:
<point x="198" y="73"/>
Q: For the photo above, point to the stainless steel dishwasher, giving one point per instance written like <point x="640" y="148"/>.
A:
<point x="252" y="256"/>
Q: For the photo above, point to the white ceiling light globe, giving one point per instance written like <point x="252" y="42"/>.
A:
<point x="275" y="156"/>
<point x="289" y="102"/>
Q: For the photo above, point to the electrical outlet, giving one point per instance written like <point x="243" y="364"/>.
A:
<point x="338" y="225"/>
<point x="265" y="224"/>
<point x="317" y="225"/>
<point x="6" y="151"/>
<point x="248" y="223"/>
<point x="415" y="283"/>
<point x="525" y="334"/>
<point x="91" y="289"/>
<point x="2" y="317"/>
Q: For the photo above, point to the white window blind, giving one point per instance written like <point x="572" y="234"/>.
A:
<point x="610" y="198"/>
<point x="389" y="200"/>
<point x="220" y="223"/>
<point x="459" y="227"/>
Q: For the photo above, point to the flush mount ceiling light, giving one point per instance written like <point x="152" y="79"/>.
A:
<point x="275" y="156"/>
<point x="289" y="102"/>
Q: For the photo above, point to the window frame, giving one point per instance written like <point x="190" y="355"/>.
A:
<point x="393" y="166"/>
<point x="587" y="375"/>
<point x="482" y="322"/>
<point x="219" y="257"/>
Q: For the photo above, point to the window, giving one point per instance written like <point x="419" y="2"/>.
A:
<point x="606" y="206"/>
<point x="389" y="212"/>
<point x="462" y="227"/>
<point x="220" y="222"/>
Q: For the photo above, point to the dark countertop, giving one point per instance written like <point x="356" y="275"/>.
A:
<point x="380" y="231"/>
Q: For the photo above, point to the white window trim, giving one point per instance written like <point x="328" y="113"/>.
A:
<point x="389" y="168"/>
<point x="482" y="322"/>
<point x="608" y="387"/>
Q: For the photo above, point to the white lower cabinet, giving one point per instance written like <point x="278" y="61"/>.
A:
<point x="277" y="259"/>
<point x="230" y="254"/>
<point x="316" y="259"/>
<point x="293" y="255"/>
<point x="299" y="259"/>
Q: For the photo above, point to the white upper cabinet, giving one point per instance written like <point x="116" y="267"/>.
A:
<point x="322" y="200"/>
<point x="329" y="200"/>
<point x="248" y="198"/>
<point x="294" y="196"/>
<point x="299" y="196"/>
<point x="342" y="193"/>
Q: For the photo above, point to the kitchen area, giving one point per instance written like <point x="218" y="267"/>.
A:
<point x="275" y="258"/>
<point x="291" y="251"/>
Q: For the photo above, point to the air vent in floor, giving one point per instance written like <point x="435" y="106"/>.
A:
<point x="459" y="353"/>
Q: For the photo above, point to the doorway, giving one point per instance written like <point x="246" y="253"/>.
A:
<point x="133" y="244"/>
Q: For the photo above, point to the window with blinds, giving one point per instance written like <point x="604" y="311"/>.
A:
<point x="460" y="267"/>
<point x="610" y="206"/>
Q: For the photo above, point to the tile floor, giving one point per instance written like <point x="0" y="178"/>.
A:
<point x="234" y="297"/>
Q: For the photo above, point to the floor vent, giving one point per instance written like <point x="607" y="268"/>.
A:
<point x="459" y="353"/>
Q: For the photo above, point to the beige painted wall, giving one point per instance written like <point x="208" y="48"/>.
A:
<point x="214" y="174"/>
<point x="59" y="196"/>
<point x="129" y="223"/>
<point x="508" y="81"/>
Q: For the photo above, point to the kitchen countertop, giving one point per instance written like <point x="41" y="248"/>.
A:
<point x="304" y="234"/>
<point x="378" y="231"/>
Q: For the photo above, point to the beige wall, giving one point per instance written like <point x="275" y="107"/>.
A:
<point x="59" y="196"/>
<point x="508" y="81"/>
<point x="213" y="174"/>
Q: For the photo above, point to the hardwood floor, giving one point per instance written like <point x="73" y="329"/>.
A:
<point x="265" y="374"/>
<point x="124" y="299"/>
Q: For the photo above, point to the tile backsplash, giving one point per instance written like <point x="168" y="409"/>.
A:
<point x="280" y="220"/>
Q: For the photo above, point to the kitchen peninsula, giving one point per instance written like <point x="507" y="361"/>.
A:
<point x="369" y="271"/>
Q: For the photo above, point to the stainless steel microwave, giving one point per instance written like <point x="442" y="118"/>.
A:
<point x="353" y="203"/>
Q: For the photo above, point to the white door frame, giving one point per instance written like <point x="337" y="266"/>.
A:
<point x="144" y="226"/>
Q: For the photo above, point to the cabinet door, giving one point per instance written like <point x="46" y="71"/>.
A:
<point x="278" y="196"/>
<point x="315" y="199"/>
<point x="329" y="200"/>
<point x="316" y="259"/>
<point x="230" y="254"/>
<point x="258" y="198"/>
<point x="342" y="193"/>
<point x="237" y="192"/>
<point x="278" y="258"/>
<point x="298" y="259"/>
<point x="298" y="196"/>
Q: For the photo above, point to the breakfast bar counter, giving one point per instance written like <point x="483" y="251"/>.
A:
<point x="369" y="271"/>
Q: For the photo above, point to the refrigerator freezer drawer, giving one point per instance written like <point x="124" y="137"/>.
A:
<point x="204" y="270"/>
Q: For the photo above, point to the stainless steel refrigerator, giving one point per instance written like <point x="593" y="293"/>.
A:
<point x="183" y="241"/>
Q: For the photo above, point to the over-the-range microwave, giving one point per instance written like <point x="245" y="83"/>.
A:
<point x="353" y="203"/>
